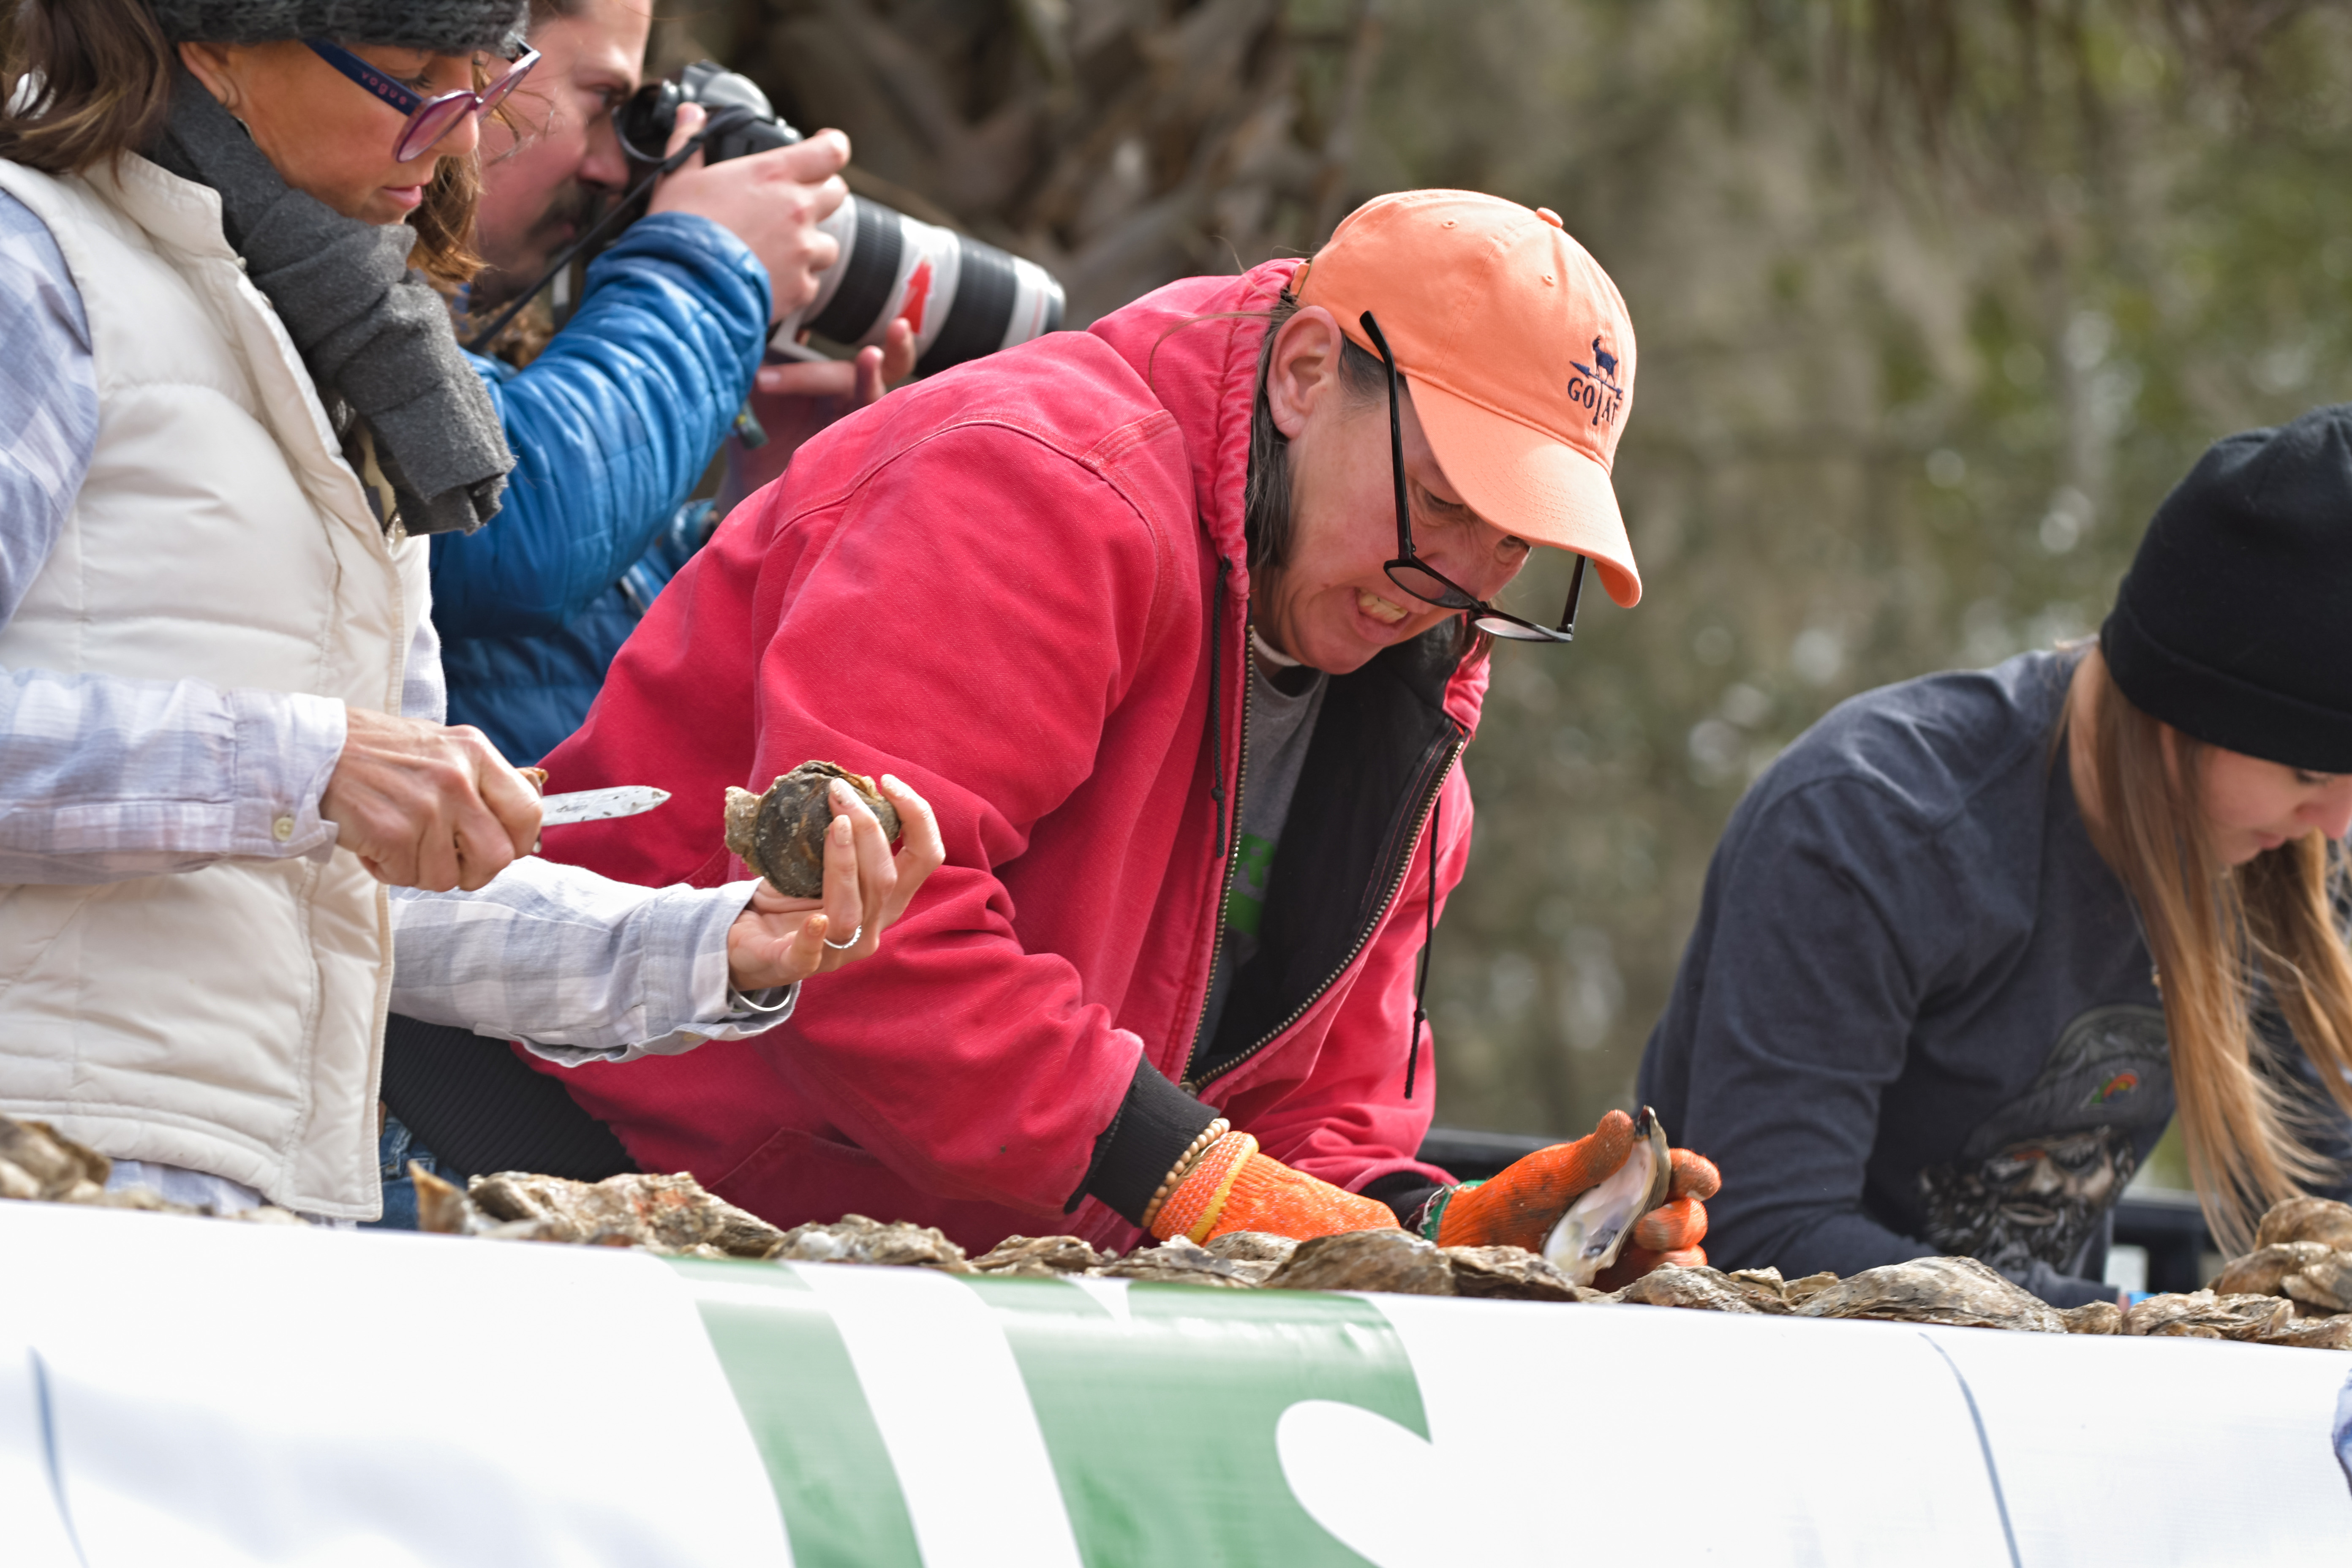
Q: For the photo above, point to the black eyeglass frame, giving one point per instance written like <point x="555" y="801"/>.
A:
<point x="1483" y="614"/>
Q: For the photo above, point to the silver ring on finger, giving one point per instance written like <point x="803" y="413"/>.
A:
<point x="845" y="946"/>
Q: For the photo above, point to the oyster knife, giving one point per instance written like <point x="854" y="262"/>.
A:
<point x="598" y="804"/>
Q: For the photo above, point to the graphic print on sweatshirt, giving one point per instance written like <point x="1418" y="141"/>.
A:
<point x="2035" y="1180"/>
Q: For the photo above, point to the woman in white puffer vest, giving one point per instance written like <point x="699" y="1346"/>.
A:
<point x="231" y="405"/>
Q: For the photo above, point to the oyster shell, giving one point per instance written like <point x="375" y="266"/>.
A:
<point x="1508" y="1273"/>
<point x="2263" y="1271"/>
<point x="1038" y="1256"/>
<point x="442" y="1206"/>
<point x="1390" y="1260"/>
<point x="2334" y="1333"/>
<point x="2325" y="1282"/>
<point x="1591" y="1233"/>
<point x="1179" y="1260"/>
<point x="1763" y="1286"/>
<point x="669" y="1213"/>
<point x="781" y="834"/>
<point x="2307" y="1219"/>
<point x="1703" y="1290"/>
<point x="443" y="1209"/>
<point x="2202" y="1314"/>
<point x="2094" y="1318"/>
<point x="36" y="1161"/>
<point x="1253" y="1247"/>
<point x="1797" y="1292"/>
<point x="1960" y="1291"/>
<point x="854" y="1239"/>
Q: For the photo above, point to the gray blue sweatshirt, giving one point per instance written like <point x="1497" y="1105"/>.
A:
<point x="1916" y="1015"/>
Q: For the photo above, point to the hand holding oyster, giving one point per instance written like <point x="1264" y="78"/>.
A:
<point x="814" y="888"/>
<point x="781" y="834"/>
<point x="1589" y="1237"/>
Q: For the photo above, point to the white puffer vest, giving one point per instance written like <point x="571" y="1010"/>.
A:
<point x="229" y="1019"/>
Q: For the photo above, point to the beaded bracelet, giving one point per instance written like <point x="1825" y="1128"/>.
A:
<point x="1175" y="1177"/>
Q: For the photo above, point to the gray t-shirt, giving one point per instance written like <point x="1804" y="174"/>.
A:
<point x="1916" y="1015"/>
<point x="1281" y="728"/>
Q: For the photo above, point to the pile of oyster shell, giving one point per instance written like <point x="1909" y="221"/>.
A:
<point x="2297" y="1281"/>
<point x="675" y="1216"/>
<point x="2293" y="1288"/>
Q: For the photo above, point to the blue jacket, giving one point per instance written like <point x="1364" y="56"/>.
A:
<point x="612" y="425"/>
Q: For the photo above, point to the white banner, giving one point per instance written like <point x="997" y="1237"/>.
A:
<point x="191" y="1392"/>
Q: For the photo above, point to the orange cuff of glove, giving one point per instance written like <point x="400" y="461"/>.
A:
<point x="1234" y="1187"/>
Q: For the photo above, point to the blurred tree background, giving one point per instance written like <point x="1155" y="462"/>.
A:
<point x="1935" y="300"/>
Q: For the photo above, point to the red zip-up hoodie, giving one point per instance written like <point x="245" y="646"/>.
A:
<point x="1021" y="587"/>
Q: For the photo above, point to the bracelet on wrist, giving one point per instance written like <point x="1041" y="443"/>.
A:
<point x="1184" y="1163"/>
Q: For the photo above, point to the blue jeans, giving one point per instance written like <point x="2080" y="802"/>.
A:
<point x="395" y="1150"/>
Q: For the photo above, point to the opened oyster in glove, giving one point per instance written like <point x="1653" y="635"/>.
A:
<point x="1603" y="1210"/>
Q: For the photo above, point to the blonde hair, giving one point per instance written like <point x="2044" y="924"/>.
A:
<point x="2216" y="932"/>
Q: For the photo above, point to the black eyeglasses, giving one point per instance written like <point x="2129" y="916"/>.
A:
<point x="1424" y="581"/>
<point x="429" y="120"/>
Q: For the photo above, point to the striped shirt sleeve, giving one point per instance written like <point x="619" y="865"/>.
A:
<point x="575" y="967"/>
<point x="49" y="400"/>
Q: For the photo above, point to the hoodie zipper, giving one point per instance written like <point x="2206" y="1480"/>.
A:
<point x="1451" y="750"/>
<point x="1232" y="860"/>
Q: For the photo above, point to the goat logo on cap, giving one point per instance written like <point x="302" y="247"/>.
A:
<point x="1596" y="390"/>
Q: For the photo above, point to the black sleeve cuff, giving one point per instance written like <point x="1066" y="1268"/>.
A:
<point x="1154" y="1125"/>
<point x="1405" y="1191"/>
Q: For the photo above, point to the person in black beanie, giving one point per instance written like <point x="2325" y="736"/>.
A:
<point x="1971" y="941"/>
<point x="2232" y="624"/>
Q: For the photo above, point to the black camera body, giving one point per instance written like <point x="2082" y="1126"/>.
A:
<point x="963" y="298"/>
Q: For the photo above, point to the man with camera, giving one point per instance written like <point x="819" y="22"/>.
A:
<point x="618" y="415"/>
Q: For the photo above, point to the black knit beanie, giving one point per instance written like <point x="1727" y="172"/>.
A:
<point x="444" y="26"/>
<point x="2234" y="625"/>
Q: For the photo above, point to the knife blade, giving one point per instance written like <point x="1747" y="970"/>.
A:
<point x="598" y="804"/>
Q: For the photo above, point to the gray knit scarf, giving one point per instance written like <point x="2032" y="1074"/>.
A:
<point x="371" y="331"/>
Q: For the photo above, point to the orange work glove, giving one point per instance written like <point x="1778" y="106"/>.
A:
<point x="1671" y="1232"/>
<point x="1233" y="1187"/>
<point x="1520" y="1207"/>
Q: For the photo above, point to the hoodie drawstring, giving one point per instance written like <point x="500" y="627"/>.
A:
<point x="1428" y="940"/>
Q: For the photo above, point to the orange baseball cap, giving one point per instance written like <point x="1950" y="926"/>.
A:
<point x="1519" y="352"/>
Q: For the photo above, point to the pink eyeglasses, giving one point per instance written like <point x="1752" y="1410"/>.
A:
<point x="429" y="120"/>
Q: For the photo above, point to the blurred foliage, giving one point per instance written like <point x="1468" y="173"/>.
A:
<point x="1120" y="142"/>
<point x="1935" y="298"/>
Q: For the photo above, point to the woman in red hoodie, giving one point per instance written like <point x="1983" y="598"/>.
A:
<point x="1181" y="625"/>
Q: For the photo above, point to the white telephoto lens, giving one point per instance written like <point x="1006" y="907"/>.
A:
<point x="963" y="298"/>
